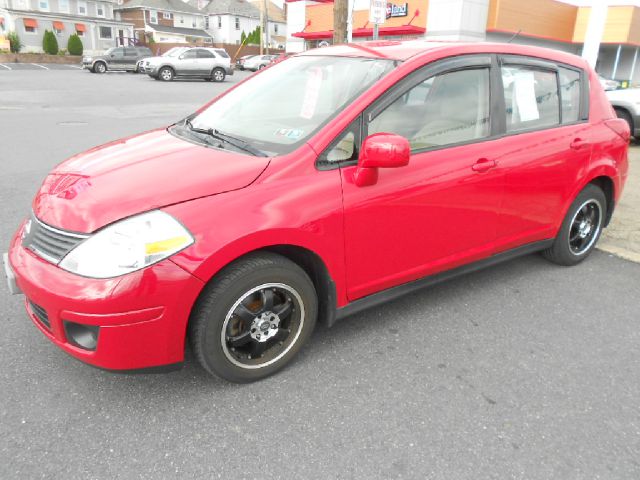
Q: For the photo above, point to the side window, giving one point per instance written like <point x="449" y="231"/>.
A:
<point x="130" y="52"/>
<point x="189" y="54"/>
<point x="570" y="94"/>
<point x="531" y="98"/>
<point x="118" y="52"/>
<point x="344" y="147"/>
<point x="205" y="54"/>
<point x="445" y="109"/>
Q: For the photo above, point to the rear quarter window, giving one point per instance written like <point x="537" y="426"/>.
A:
<point x="570" y="94"/>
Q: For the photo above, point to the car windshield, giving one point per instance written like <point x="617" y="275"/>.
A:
<point x="278" y="109"/>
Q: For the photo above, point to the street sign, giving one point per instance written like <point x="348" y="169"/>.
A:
<point x="378" y="11"/>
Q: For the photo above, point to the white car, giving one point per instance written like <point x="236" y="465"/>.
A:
<point x="212" y="64"/>
<point x="258" y="62"/>
<point x="626" y="103"/>
<point x="608" y="84"/>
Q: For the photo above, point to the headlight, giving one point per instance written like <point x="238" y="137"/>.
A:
<point x="128" y="245"/>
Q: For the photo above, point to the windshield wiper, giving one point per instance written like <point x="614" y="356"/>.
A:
<point x="236" y="142"/>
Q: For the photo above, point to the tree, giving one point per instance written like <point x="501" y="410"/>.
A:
<point x="50" y="43"/>
<point x="74" y="45"/>
<point x="243" y="37"/>
<point x="15" y="44"/>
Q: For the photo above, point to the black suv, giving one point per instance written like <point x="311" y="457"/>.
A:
<point x="117" y="58"/>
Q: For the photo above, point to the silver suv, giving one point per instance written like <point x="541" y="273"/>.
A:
<point x="212" y="64"/>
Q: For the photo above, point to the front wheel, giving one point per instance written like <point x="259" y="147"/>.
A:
<point x="166" y="74"/>
<point x="253" y="318"/>
<point x="581" y="228"/>
<point x="100" y="67"/>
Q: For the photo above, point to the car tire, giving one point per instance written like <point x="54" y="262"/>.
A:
<point x="580" y="229"/>
<point x="99" y="67"/>
<point x="261" y="67"/>
<point x="253" y="318"/>
<point x="166" y="74"/>
<point x="218" y="75"/>
<point x="626" y="116"/>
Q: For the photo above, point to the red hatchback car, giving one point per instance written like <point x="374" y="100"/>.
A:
<point x="338" y="179"/>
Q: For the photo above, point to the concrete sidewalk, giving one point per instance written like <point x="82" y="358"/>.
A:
<point x="622" y="237"/>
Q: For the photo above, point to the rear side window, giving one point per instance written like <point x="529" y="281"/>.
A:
<point x="445" y="109"/>
<point x="531" y="98"/>
<point x="205" y="54"/>
<point x="569" y="94"/>
<point x="222" y="53"/>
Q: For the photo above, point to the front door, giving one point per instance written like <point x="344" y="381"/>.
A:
<point x="441" y="210"/>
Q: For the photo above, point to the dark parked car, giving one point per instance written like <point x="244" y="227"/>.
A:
<point x="117" y="58"/>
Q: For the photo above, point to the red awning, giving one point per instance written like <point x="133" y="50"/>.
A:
<point x="58" y="25"/>
<point x="80" y="27"/>
<point x="365" y="32"/>
<point x="30" y="22"/>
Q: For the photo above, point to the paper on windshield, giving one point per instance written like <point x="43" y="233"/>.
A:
<point x="525" y="96"/>
<point x="311" y="93"/>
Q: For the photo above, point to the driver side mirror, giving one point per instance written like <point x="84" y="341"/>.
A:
<point x="380" y="150"/>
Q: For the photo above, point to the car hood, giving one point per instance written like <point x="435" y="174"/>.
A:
<point x="138" y="174"/>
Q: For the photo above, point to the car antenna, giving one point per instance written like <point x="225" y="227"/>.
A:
<point x="514" y="36"/>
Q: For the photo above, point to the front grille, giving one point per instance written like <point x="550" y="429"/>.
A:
<point x="48" y="242"/>
<point x="41" y="314"/>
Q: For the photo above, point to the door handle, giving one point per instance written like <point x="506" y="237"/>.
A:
<point x="483" y="164"/>
<point x="578" y="143"/>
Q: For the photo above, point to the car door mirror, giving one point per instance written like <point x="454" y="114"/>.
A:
<point x="380" y="150"/>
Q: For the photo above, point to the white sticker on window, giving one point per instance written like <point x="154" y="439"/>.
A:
<point x="311" y="93"/>
<point x="524" y="96"/>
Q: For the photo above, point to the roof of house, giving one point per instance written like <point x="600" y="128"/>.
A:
<point x="276" y="14"/>
<point x="161" y="5"/>
<point x="240" y="8"/>
<point x="189" y="32"/>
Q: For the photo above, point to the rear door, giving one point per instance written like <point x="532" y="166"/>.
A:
<point x="117" y="59"/>
<point x="206" y="61"/>
<point x="130" y="58"/>
<point x="545" y="147"/>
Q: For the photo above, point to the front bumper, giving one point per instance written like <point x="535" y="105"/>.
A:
<point x="142" y="317"/>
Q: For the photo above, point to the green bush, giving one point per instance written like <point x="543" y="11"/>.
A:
<point x="74" y="45"/>
<point x="50" y="43"/>
<point x="14" y="42"/>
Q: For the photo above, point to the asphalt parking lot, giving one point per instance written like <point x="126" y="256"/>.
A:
<point x="521" y="371"/>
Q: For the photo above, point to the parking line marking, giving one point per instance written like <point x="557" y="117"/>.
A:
<point x="41" y="66"/>
<point x="8" y="68"/>
<point x="74" y="66"/>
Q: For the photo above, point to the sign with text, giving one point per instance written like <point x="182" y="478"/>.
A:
<point x="394" y="10"/>
<point x="378" y="11"/>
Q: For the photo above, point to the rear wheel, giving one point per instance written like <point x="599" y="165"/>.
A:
<point x="253" y="318"/>
<point x="626" y="116"/>
<point x="166" y="74"/>
<point x="100" y="67"/>
<point x="580" y="229"/>
<point x="218" y="75"/>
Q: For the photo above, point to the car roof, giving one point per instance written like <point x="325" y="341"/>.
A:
<point x="407" y="49"/>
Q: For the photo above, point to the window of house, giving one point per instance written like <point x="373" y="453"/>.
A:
<point x="206" y="22"/>
<point x="99" y="10"/>
<point x="445" y="109"/>
<point x="219" y="22"/>
<point x="531" y="98"/>
<point x="106" y="33"/>
<point x="193" y="22"/>
<point x="82" y="8"/>
<point x="275" y="28"/>
<point x="153" y="16"/>
<point x="43" y="5"/>
<point x="166" y="15"/>
<point x="237" y="23"/>
<point x="80" y="33"/>
<point x="181" y="18"/>
<point x="57" y="31"/>
<point x="30" y="29"/>
<point x="569" y="94"/>
<point x="63" y="5"/>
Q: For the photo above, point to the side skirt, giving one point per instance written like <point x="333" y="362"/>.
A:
<point x="395" y="292"/>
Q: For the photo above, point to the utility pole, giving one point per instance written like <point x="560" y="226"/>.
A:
<point x="261" y="31"/>
<point x="266" y="24"/>
<point x="340" y="14"/>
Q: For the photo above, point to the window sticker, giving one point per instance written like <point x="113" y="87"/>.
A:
<point x="311" y="93"/>
<point x="291" y="133"/>
<point x="524" y="96"/>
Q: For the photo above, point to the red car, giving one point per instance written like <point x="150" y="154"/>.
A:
<point x="338" y="179"/>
